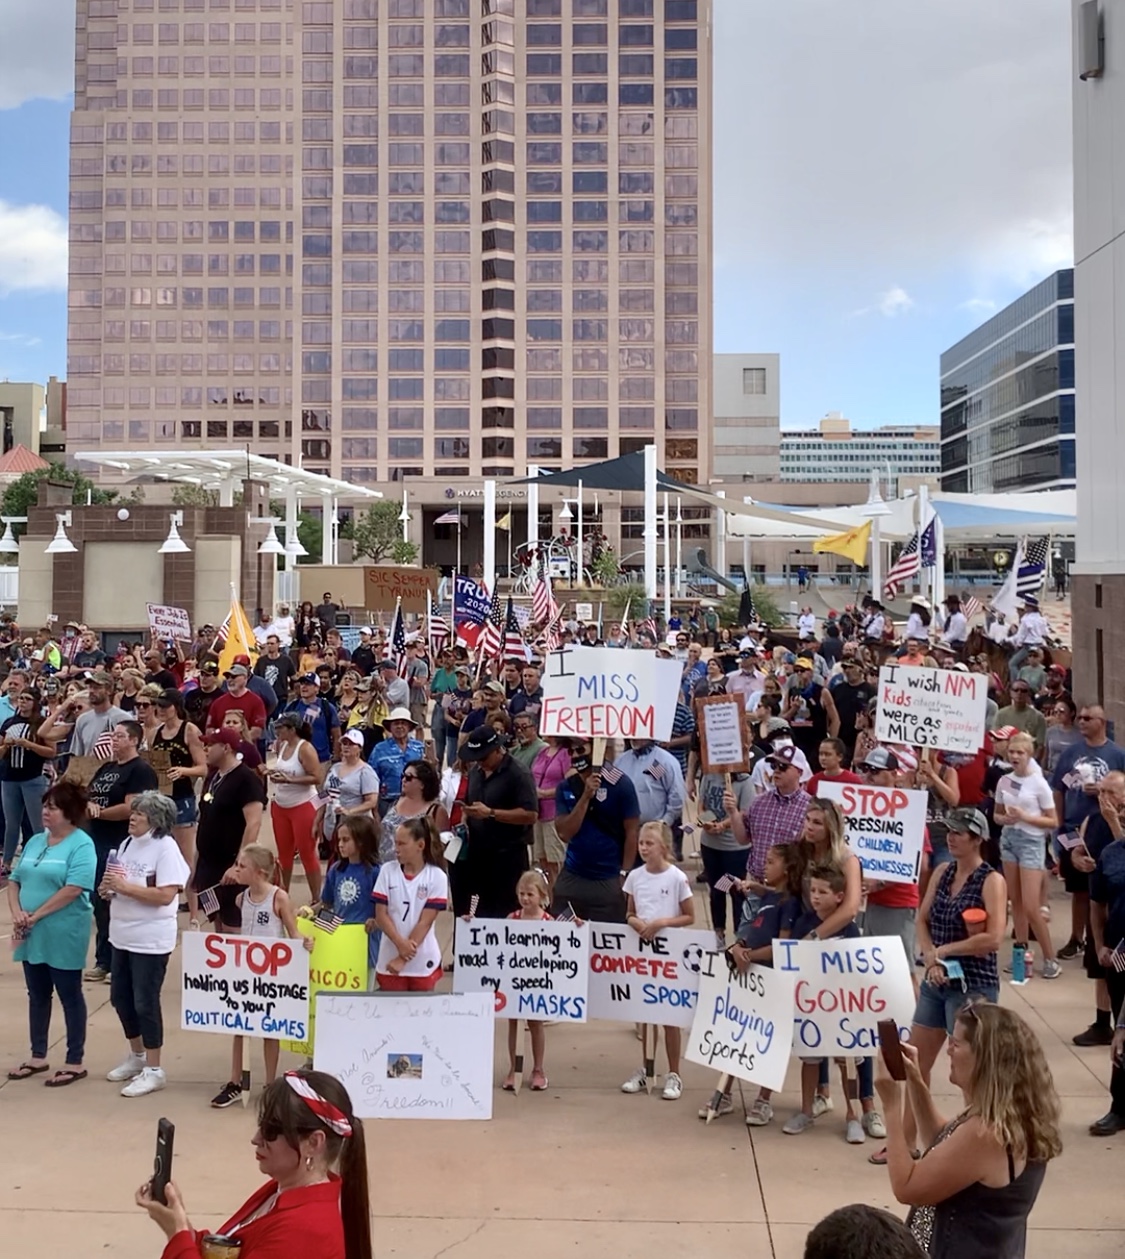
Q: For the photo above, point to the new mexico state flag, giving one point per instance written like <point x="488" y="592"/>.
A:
<point x="851" y="545"/>
<point x="240" y="638"/>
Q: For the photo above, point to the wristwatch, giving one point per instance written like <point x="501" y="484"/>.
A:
<point x="492" y="813"/>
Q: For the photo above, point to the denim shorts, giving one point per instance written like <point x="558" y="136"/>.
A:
<point x="938" y="1007"/>
<point x="1021" y="849"/>
<point x="187" y="810"/>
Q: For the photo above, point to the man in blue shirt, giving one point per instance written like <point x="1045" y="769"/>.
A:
<point x="390" y="757"/>
<point x="657" y="779"/>
<point x="321" y="716"/>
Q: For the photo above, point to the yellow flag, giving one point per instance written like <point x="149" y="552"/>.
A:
<point x="852" y="545"/>
<point x="505" y="521"/>
<point x="240" y="639"/>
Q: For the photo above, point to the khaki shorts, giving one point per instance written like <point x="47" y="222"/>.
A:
<point x="547" y="846"/>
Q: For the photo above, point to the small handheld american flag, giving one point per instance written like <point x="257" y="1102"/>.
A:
<point x="1117" y="958"/>
<point x="724" y="883"/>
<point x="655" y="770"/>
<point x="568" y="914"/>
<point x="209" y="902"/>
<point x="610" y="774"/>
<point x="327" y="921"/>
<point x="474" y="902"/>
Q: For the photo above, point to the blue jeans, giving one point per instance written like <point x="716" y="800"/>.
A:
<point x="103" y="950"/>
<point x="41" y="981"/>
<point x="134" y="990"/>
<point x="938" y="1007"/>
<point x="20" y="798"/>
<point x="865" y="1069"/>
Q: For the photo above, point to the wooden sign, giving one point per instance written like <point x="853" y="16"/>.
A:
<point x="160" y="761"/>
<point x="722" y="734"/>
<point x="385" y="584"/>
<point x="81" y="769"/>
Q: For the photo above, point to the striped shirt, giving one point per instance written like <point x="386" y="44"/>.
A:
<point x="773" y="819"/>
<point x="682" y="723"/>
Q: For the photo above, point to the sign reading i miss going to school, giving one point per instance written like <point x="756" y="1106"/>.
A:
<point x="931" y="708"/>
<point x="244" y="985"/>
<point x="537" y="970"/>
<point x="646" y="981"/>
<point x="884" y="827"/>
<point x="599" y="693"/>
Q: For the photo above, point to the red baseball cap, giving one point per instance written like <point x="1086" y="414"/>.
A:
<point x="241" y="660"/>
<point x="226" y="735"/>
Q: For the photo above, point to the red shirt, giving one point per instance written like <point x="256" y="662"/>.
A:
<point x="844" y="776"/>
<point x="249" y="704"/>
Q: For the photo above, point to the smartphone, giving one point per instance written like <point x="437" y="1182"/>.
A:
<point x="162" y="1163"/>
<point x="891" y="1046"/>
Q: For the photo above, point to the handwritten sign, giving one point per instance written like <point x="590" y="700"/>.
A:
<point x="338" y="963"/>
<point x="584" y="611"/>
<point x="537" y="970"/>
<point x="931" y="708"/>
<point x="722" y="738"/>
<point x="842" y="988"/>
<point x="597" y="692"/>
<point x="423" y="1057"/>
<point x="168" y="623"/>
<point x="741" y="1023"/>
<point x="646" y="981"/>
<point x="385" y="584"/>
<point x="885" y="827"/>
<point x="244" y="986"/>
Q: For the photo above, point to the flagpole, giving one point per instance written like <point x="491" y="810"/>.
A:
<point x="430" y="622"/>
<point x="458" y="549"/>
<point x="923" y="508"/>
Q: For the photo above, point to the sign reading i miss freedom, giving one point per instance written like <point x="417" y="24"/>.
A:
<point x="603" y="693"/>
<point x="931" y="708"/>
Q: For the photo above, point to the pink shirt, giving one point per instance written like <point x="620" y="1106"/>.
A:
<point x="549" y="769"/>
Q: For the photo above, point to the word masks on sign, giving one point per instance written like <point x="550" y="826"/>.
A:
<point x="842" y="988"/>
<point x="885" y="827"/>
<point x="385" y="584"/>
<point x="721" y="734"/>
<point x="931" y="708"/>
<point x="646" y="981"/>
<point x="169" y="623"/>
<point x="592" y="693"/>
<point x="537" y="970"/>
<point x="338" y="963"/>
<point x="423" y="1057"/>
<point x="244" y="985"/>
<point x="741" y="1024"/>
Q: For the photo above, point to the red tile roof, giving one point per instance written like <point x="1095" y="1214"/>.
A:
<point x="19" y="460"/>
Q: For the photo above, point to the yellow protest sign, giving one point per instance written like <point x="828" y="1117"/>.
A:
<point x="338" y="963"/>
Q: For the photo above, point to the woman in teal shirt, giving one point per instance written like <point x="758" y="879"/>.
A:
<point x="49" y="897"/>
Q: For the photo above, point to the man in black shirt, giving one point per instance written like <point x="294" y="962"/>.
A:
<point x="326" y="611"/>
<point x="276" y="669"/>
<point x="851" y="697"/>
<point x="230" y="817"/>
<point x="363" y="658"/>
<point x="156" y="670"/>
<point x="198" y="701"/>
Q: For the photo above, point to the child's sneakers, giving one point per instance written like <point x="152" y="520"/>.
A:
<point x="726" y="1106"/>
<point x="673" y="1087"/>
<point x="797" y="1124"/>
<point x="821" y="1105"/>
<point x="636" y="1083"/>
<point x="759" y="1114"/>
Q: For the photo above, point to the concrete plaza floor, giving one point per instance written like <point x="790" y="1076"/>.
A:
<point x="581" y="1169"/>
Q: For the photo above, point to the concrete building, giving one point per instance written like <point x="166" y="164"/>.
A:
<point x="1007" y="397"/>
<point x="834" y="452"/>
<point x="21" y="411"/>
<point x="746" y="436"/>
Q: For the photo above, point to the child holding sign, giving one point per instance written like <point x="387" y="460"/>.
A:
<point x="349" y="885"/>
<point x="534" y="896"/>
<point x="658" y="897"/>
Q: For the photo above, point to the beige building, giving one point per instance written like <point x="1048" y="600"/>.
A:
<point x="834" y="452"/>
<point x="746" y="438"/>
<point x="21" y="411"/>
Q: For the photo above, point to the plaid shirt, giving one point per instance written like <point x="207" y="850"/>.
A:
<point x="773" y="819"/>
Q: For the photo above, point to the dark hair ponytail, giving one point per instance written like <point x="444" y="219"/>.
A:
<point x="355" y="1205"/>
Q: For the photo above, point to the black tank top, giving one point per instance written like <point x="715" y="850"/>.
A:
<point x="179" y="756"/>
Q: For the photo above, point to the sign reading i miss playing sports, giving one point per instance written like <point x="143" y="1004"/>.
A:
<point x="599" y="693"/>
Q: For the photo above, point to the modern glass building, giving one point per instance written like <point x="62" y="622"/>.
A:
<point x="1007" y="397"/>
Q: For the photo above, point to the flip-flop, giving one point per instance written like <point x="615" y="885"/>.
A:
<point x="879" y="1158"/>
<point x="27" y="1069"/>
<point x="64" y="1077"/>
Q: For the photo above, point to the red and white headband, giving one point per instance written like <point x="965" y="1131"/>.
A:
<point x="329" y="1115"/>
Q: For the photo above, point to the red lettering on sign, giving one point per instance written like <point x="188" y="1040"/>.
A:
<point x="646" y="967"/>
<point x="255" y="954"/>
<point x="865" y="1000"/>
<point x="873" y="801"/>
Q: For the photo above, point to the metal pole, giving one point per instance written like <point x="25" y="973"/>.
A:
<point x="578" y="536"/>
<point x="458" y="569"/>
<point x="532" y="508"/>
<point x="720" y="557"/>
<point x="490" y="535"/>
<point x="679" y="548"/>
<point x="876" y="559"/>
<point x="404" y="516"/>
<point x="650" y="523"/>
<point x="667" y="564"/>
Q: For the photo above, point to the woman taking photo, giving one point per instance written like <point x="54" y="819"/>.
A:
<point x="296" y="778"/>
<point x="421" y="788"/>
<point x="972" y="1190"/>
<point x="49" y="900"/>
<point x="23" y="759"/>
<point x="311" y="1146"/>
<point x="347" y="697"/>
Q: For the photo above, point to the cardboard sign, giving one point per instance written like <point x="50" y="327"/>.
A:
<point x="169" y="623"/>
<point x="536" y="970"/>
<point x="884" y="826"/>
<point x="646" y="981"/>
<point x="598" y="692"/>
<point x="160" y="761"/>
<point x="421" y="1057"/>
<point x="741" y="1023"/>
<point x="722" y="734"/>
<point x="842" y="988"/>
<point x="931" y="708"/>
<point x="244" y="985"/>
<point x="385" y="584"/>
<point x="584" y="612"/>
<point x="337" y="963"/>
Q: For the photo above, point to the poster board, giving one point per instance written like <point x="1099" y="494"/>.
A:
<point x="584" y="612"/>
<point x="884" y="826"/>
<point x="931" y="708"/>
<point x="244" y="985"/>
<point x="535" y="970"/>
<point x="646" y="981"/>
<point x="599" y="692"/>
<point x="81" y="769"/>
<point x="385" y="584"/>
<point x="168" y="623"/>
<point x="418" y="1057"/>
<point x="337" y="963"/>
<point x="720" y="720"/>
<point x="160" y="761"/>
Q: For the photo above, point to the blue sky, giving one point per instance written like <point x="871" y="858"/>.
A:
<point x="880" y="187"/>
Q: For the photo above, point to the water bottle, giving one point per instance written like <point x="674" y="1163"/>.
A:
<point x="110" y="860"/>
<point x="1019" y="964"/>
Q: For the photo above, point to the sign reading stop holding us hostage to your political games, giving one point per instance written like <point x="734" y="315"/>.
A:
<point x="245" y="986"/>
<point x="602" y="693"/>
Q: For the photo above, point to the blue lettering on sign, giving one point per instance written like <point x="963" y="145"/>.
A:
<point x="552" y="1005"/>
<point x="609" y="686"/>
<point x="660" y="994"/>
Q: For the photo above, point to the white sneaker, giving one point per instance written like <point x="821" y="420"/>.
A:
<point x="150" y="1080"/>
<point x="673" y="1087"/>
<point x="131" y="1067"/>
<point x="821" y="1105"/>
<point x="635" y="1083"/>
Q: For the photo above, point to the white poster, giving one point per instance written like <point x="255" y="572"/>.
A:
<point x="409" y="1057"/>
<point x="931" y="708"/>
<point x="599" y="692"/>
<point x="721" y="734"/>
<point x="535" y="970"/>
<point x="646" y="981"/>
<point x="244" y="986"/>
<point x="166" y="622"/>
<point x="741" y="1025"/>
<point x="885" y="827"/>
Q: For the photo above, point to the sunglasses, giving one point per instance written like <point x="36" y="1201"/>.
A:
<point x="141" y="703"/>
<point x="410" y="778"/>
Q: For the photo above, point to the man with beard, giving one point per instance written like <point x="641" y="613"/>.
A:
<point x="851" y="697"/>
<point x="276" y="669"/>
<point x="94" y="724"/>
<point x="657" y="781"/>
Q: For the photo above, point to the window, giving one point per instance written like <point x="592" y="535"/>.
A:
<point x="754" y="380"/>
<point x="591" y="447"/>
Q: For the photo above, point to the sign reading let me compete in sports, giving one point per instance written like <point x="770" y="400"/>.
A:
<point x="600" y="693"/>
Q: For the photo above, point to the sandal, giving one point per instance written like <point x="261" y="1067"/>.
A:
<point x="27" y="1069"/>
<point x="68" y="1075"/>
<point x="539" y="1082"/>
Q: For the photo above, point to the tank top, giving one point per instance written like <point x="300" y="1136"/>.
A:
<point x="260" y="918"/>
<point x="179" y="757"/>
<point x="292" y="795"/>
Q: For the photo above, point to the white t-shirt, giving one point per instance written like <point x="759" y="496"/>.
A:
<point x="657" y="895"/>
<point x="1031" y="793"/>
<point x="149" y="862"/>
<point x="405" y="899"/>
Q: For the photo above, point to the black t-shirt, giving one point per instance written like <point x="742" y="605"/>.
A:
<point x="89" y="659"/>
<point x="277" y="674"/>
<point x="221" y="820"/>
<point x="198" y="704"/>
<point x="363" y="659"/>
<point x="850" y="702"/>
<point x="164" y="678"/>
<point x="511" y="787"/>
<point x="21" y="764"/>
<point x="111" y="785"/>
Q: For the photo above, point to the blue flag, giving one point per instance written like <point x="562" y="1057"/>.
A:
<point x="471" y="603"/>
<point x="929" y="544"/>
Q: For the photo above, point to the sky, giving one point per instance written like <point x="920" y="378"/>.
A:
<point x="888" y="173"/>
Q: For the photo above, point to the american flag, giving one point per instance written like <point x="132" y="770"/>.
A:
<point x="1033" y="567"/>
<point x="439" y="633"/>
<point x="449" y="518"/>
<point x="971" y="607"/>
<point x="490" y="640"/>
<point x="1118" y="957"/>
<point x="398" y="641"/>
<point x="327" y="921"/>
<point x="611" y="774"/>
<point x="114" y="865"/>
<point x="209" y="902"/>
<point x="544" y="609"/>
<point x="515" y="648"/>
<point x="905" y="567"/>
<point x="102" y="747"/>
<point x="724" y="883"/>
<point x="656" y="770"/>
<point x="474" y="904"/>
<point x="648" y="626"/>
<point x="567" y="915"/>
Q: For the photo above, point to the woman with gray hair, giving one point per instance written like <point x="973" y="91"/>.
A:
<point x="143" y="881"/>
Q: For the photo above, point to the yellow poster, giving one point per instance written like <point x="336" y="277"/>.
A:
<point x="338" y="963"/>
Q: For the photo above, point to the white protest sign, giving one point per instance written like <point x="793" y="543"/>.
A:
<point x="884" y="826"/>
<point x="244" y="985"/>
<point x="584" y="611"/>
<point x="537" y="970"/>
<point x="741" y="1023"/>
<point x="842" y="988"/>
<point x="168" y="622"/>
<point x="646" y="981"/>
<point x="931" y="708"/>
<point x="421" y="1057"/>
<point x="721" y="734"/>
<point x="599" y="692"/>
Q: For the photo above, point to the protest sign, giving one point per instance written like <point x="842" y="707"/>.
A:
<point x="422" y="1057"/>
<point x="931" y="708"/>
<point x="385" y="584"/>
<point x="741" y="1023"/>
<point x="338" y="963"/>
<point x="584" y="611"/>
<point x="842" y="988"/>
<point x="244" y="986"/>
<point x="884" y="826"/>
<point x="537" y="970"/>
<point x="167" y="623"/>
<point x="598" y="692"/>
<point x="646" y="981"/>
<point x="722" y="739"/>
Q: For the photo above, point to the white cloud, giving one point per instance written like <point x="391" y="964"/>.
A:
<point x="978" y="306"/>
<point x="37" y="50"/>
<point x="20" y="338"/>
<point x="32" y="249"/>
<point x="895" y="301"/>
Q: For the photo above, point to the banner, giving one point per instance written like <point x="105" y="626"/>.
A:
<point x="741" y="1025"/>
<point x="536" y="970"/>
<point x="842" y="988"/>
<point x="931" y="708"/>
<point x="169" y="623"/>
<point x="385" y="584"/>
<point x="337" y="963"/>
<point x="244" y="985"/>
<point x="598" y="692"/>
<point x="885" y="827"/>
<point x="471" y="602"/>
<point x="646" y="981"/>
<point x="722" y="734"/>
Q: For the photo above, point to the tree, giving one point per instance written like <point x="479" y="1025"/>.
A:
<point x="765" y="605"/>
<point x="632" y="596"/>
<point x="377" y="534"/>
<point x="310" y="534"/>
<point x="23" y="493"/>
<point x="185" y="494"/>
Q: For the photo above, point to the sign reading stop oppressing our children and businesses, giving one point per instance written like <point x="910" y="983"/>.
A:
<point x="931" y="708"/>
<point x="885" y="827"/>
<point x="646" y="981"/>
<point x="600" y="693"/>
<point x="537" y="970"/>
<point x="245" y="986"/>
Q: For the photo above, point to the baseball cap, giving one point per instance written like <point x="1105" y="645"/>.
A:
<point x="308" y="679"/>
<point x="479" y="744"/>
<point x="967" y="822"/>
<point x="210" y="668"/>
<point x="399" y="714"/>
<point x="237" y="671"/>
<point x="747" y="655"/>
<point x="463" y="668"/>
<point x="803" y="662"/>
<point x="169" y="698"/>
<point x="1059" y="669"/>
<point x="880" y="758"/>
<point x="367" y="629"/>
<point x="227" y="736"/>
<point x="354" y="736"/>
<point x="388" y="662"/>
<point x="1005" y="732"/>
<point x="242" y="660"/>
<point x="497" y="688"/>
<point x="960" y="667"/>
<point x="784" y="757"/>
<point x="99" y="677"/>
<point x="776" y="725"/>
